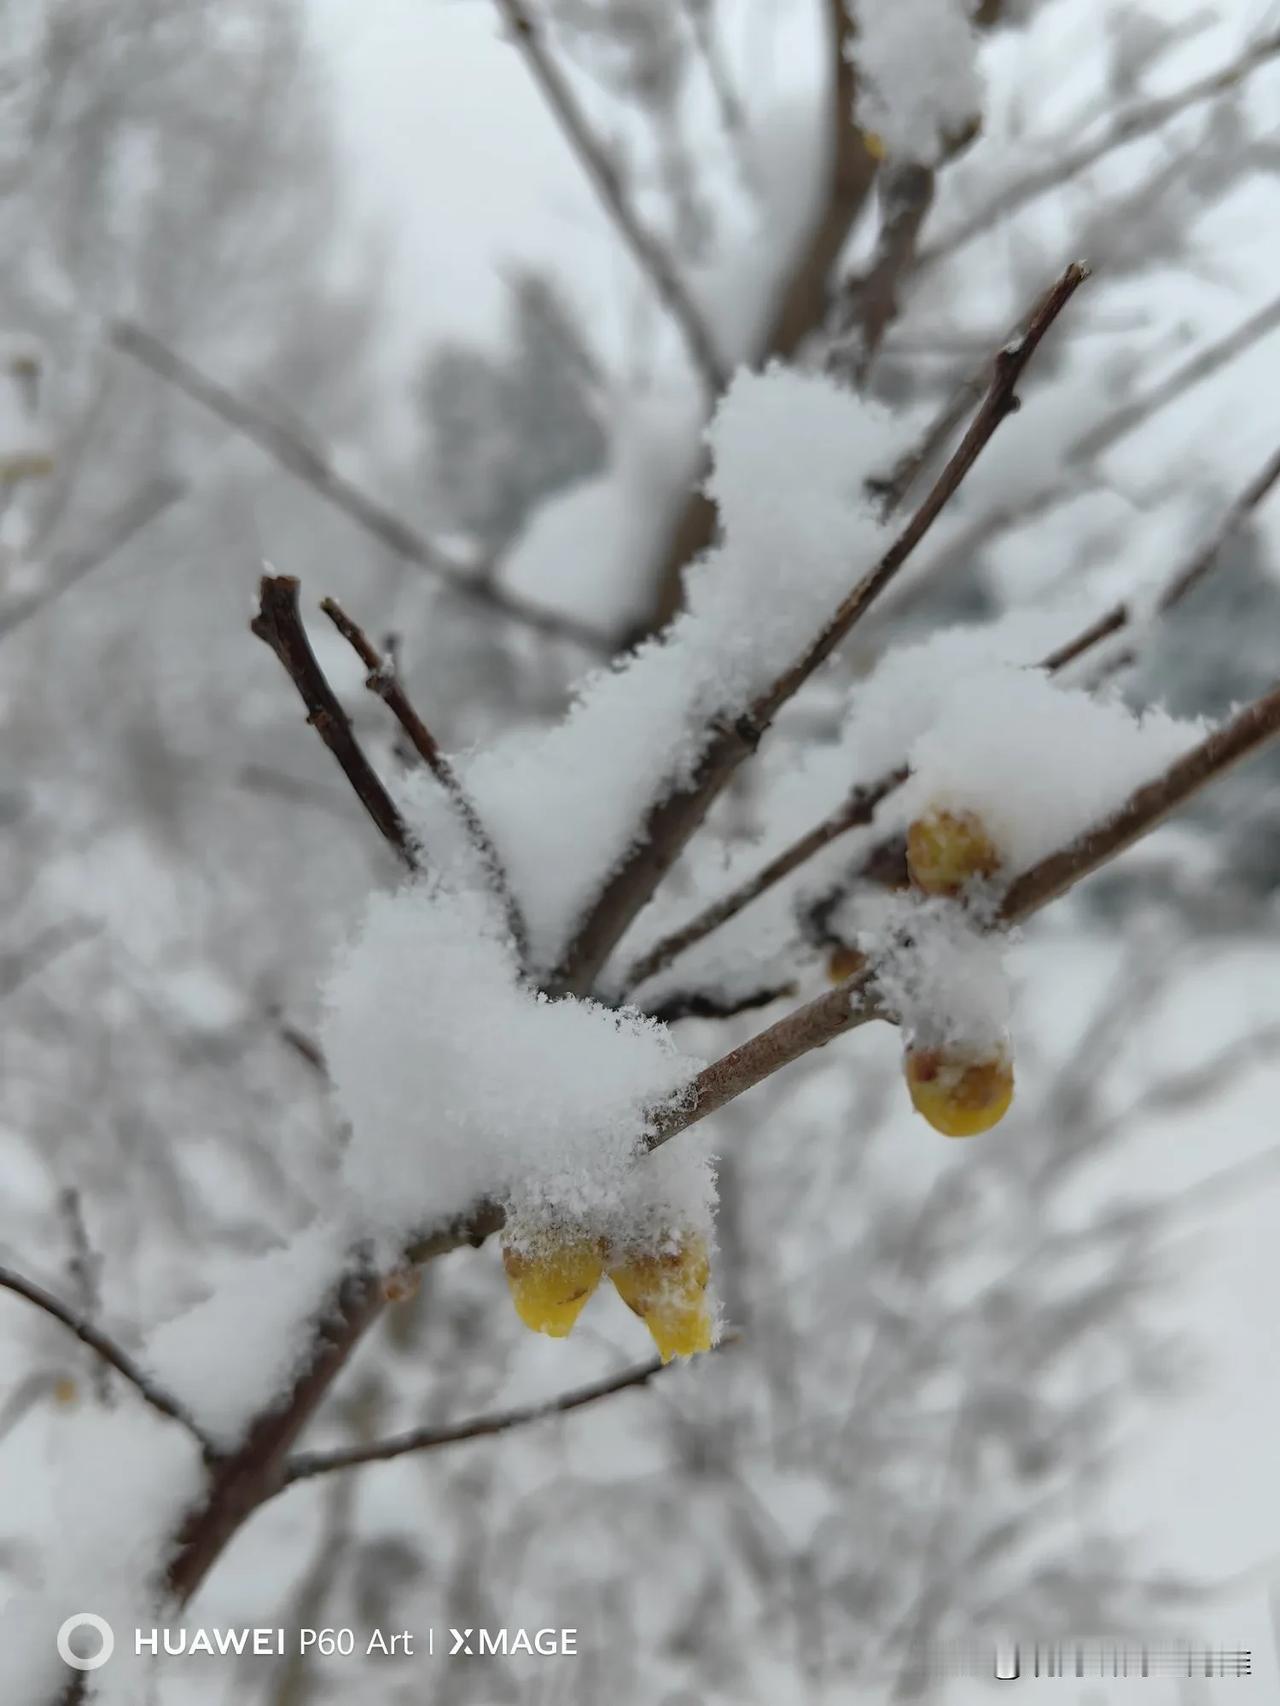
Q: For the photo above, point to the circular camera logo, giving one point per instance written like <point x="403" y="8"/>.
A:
<point x="86" y="1620"/>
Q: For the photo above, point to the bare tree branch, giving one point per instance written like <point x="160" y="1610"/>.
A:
<point x="712" y="1004"/>
<point x="117" y="531"/>
<point x="1245" y="734"/>
<point x="869" y="304"/>
<point x="1024" y="506"/>
<point x="673" y="821"/>
<point x="1188" y="577"/>
<point x="1138" y="121"/>
<point x="648" y="251"/>
<point x="279" y="624"/>
<point x="855" y="812"/>
<point x="1202" y="365"/>
<point x="383" y="680"/>
<point x="311" y="1463"/>
<point x="110" y="1352"/>
<point x="802" y="298"/>
<point x="298" y="458"/>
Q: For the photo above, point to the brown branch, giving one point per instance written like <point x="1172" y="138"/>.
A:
<point x="298" y="458"/>
<point x="1128" y="127"/>
<point x="713" y="1004"/>
<point x="279" y="625"/>
<point x="252" y="1473"/>
<point x="855" y="812"/>
<point x="869" y="304"/>
<point x="648" y="251"/>
<point x="801" y="305"/>
<point x="1246" y="733"/>
<point x="311" y="1463"/>
<point x="110" y="1352"/>
<point x="1187" y="578"/>
<point x="968" y="542"/>
<point x="384" y="680"/>
<point x="671" y="822"/>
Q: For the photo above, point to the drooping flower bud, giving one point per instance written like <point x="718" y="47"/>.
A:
<point x="946" y="850"/>
<point x="668" y="1291"/>
<point x="551" y="1282"/>
<point x="959" y="1092"/>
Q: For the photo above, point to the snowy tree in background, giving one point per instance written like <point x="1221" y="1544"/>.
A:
<point x="842" y="644"/>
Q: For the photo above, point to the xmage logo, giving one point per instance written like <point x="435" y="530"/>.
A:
<point x="549" y="1643"/>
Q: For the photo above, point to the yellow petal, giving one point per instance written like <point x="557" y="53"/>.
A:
<point x="550" y="1287"/>
<point x="668" y="1291"/>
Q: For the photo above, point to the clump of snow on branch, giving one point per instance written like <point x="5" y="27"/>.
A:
<point x="936" y="972"/>
<point x="461" y="1082"/>
<point x="1038" y="762"/>
<point x="918" y="82"/>
<point x="792" y="453"/>
<point x="913" y="687"/>
<point x="228" y="1356"/>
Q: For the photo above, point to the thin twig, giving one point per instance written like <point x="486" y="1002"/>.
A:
<point x="383" y="679"/>
<point x="18" y="968"/>
<point x="869" y="304"/>
<point x="279" y="625"/>
<point x="85" y="1269"/>
<point x="713" y="1003"/>
<point x="1138" y="121"/>
<point x="671" y="822"/>
<point x="117" y="531"/>
<point x="856" y="811"/>
<point x="606" y="179"/>
<point x="1238" y="739"/>
<point x="297" y="457"/>
<point x="108" y="1350"/>
<point x="311" y="1463"/>
<point x="847" y="172"/>
<point x="729" y="108"/>
<point x="968" y="542"/>
<point x="1187" y="578"/>
<point x="1197" y="368"/>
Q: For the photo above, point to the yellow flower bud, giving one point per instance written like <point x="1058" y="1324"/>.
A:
<point x="873" y="142"/>
<point x="64" y="1390"/>
<point x="550" y="1285"/>
<point x="668" y="1292"/>
<point x="844" y="963"/>
<point x="960" y="1094"/>
<point x="401" y="1284"/>
<point x="946" y="850"/>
